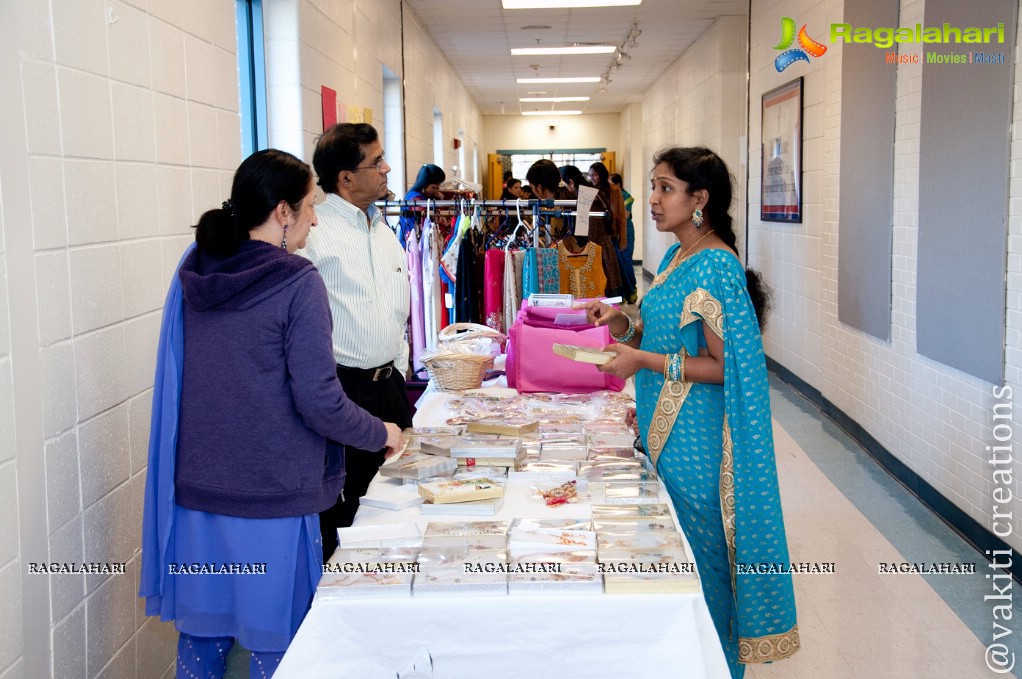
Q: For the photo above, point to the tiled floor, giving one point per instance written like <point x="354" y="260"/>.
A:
<point x="841" y="507"/>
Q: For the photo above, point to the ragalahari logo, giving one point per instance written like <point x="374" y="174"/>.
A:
<point x="808" y="45"/>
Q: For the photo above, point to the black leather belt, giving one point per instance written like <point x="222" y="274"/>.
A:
<point x="383" y="372"/>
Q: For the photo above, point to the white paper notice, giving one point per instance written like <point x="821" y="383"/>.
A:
<point x="586" y="196"/>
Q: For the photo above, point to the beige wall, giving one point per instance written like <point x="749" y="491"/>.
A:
<point x="699" y="100"/>
<point x="345" y="45"/>
<point x="122" y="127"/>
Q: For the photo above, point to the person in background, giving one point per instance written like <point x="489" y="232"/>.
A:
<point x="703" y="405"/>
<point x="426" y="186"/>
<point x="601" y="231"/>
<point x="545" y="183"/>
<point x="365" y="271"/>
<point x="573" y="179"/>
<point x="527" y="193"/>
<point x="246" y="399"/>
<point x="612" y="195"/>
<point x="513" y="190"/>
<point x="629" y="247"/>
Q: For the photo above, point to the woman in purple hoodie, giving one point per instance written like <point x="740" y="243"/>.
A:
<point x="231" y="541"/>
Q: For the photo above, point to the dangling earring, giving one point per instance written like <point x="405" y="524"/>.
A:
<point x="283" y="243"/>
<point x="697" y="218"/>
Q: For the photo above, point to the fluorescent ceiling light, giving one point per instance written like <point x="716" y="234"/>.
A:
<point x="556" y="4"/>
<point x="551" y="113"/>
<point x="552" y="99"/>
<point x="528" y="81"/>
<point x="545" y="51"/>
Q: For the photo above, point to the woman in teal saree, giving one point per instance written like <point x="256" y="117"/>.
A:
<point x="703" y="407"/>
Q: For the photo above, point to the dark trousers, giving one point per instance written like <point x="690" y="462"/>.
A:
<point x="387" y="399"/>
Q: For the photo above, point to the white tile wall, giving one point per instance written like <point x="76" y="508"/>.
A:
<point x="96" y="299"/>
<point x="707" y="113"/>
<point x="7" y="445"/>
<point x="103" y="449"/>
<point x="99" y="372"/>
<point x="65" y="546"/>
<point x="129" y="45"/>
<point x="8" y="508"/>
<point x="110" y="620"/>
<point x="42" y="112"/>
<point x="63" y="497"/>
<point x="137" y="200"/>
<point x="86" y="131"/>
<point x="933" y="418"/>
<point x="134" y="133"/>
<point x="58" y="385"/>
<point x="79" y="32"/>
<point x="353" y="66"/>
<point x="11" y="640"/>
<point x="69" y="646"/>
<point x="89" y="186"/>
<point x="49" y="217"/>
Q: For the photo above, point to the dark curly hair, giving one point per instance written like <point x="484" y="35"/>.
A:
<point x="702" y="169"/>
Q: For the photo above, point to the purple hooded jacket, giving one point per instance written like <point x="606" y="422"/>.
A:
<point x="260" y="395"/>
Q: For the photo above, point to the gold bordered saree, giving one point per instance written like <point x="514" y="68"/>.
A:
<point x="713" y="447"/>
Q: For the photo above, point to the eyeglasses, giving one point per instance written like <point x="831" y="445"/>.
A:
<point x="377" y="165"/>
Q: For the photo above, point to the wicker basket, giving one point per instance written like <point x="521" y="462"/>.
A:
<point x="456" y="371"/>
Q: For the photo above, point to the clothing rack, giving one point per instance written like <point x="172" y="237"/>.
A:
<point x="537" y="207"/>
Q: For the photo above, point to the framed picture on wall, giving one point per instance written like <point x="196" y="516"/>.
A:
<point x="781" y="186"/>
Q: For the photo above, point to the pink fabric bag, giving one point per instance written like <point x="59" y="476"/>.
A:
<point x="533" y="366"/>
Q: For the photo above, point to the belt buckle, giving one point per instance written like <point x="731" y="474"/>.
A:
<point x="382" y="373"/>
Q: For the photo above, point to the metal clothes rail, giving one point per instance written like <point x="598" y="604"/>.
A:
<point x="537" y="207"/>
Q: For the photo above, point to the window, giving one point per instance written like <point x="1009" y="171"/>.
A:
<point x="521" y="162"/>
<point x="393" y="132"/>
<point x="252" y="76"/>
<point x="438" y="137"/>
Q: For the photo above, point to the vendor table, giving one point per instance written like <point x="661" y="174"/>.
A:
<point x="543" y="636"/>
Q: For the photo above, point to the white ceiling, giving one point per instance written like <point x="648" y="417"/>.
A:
<point x="476" y="36"/>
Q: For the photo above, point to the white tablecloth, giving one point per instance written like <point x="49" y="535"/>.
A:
<point x="534" y="636"/>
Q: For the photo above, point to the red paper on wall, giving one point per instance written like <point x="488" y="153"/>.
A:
<point x="329" y="107"/>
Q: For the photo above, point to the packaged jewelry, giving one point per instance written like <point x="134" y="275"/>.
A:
<point x="365" y="572"/>
<point x="464" y="490"/>
<point x="555" y="490"/>
<point x="522" y="541"/>
<point x="512" y="426"/>
<point x="418" y="467"/>
<point x="456" y="577"/>
<point x="559" y="524"/>
<point x="631" y="492"/>
<point x="650" y="540"/>
<point x="392" y="534"/>
<point x="465" y="528"/>
<point x="614" y="511"/>
<point x="562" y="451"/>
<point x="488" y="507"/>
<point x="611" y="440"/>
<point x="603" y="453"/>
<point x="546" y="577"/>
<point x="595" y="469"/>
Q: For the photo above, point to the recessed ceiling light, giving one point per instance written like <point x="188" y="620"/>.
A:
<point x="580" y="49"/>
<point x="557" y="4"/>
<point x="536" y="81"/>
<point x="552" y="99"/>
<point x="551" y="113"/>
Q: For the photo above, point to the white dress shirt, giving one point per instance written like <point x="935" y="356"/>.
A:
<point x="365" y="271"/>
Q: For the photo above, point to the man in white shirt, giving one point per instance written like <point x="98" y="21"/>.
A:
<point x="364" y="268"/>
